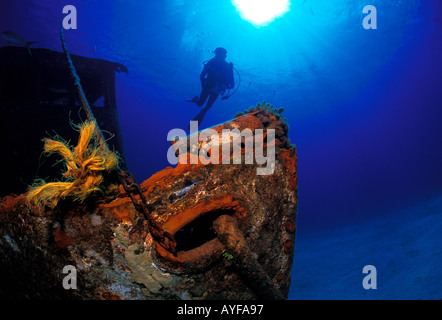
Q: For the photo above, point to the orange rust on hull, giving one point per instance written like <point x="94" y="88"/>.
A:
<point x="198" y="258"/>
<point x="121" y="209"/>
<point x="290" y="161"/>
<point x="175" y="223"/>
<point x="164" y="178"/>
<point x="206" y="253"/>
<point x="11" y="201"/>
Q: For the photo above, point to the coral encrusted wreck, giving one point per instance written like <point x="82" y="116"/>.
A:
<point x="234" y="232"/>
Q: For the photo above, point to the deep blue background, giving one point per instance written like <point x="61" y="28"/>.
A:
<point x="364" y="106"/>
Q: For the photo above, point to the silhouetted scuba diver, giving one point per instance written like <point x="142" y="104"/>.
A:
<point x="216" y="78"/>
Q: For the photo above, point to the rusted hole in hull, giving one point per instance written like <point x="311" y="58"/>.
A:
<point x="199" y="231"/>
<point x="199" y="248"/>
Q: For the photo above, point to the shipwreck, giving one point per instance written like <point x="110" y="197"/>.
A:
<point x="37" y="100"/>
<point x="193" y="231"/>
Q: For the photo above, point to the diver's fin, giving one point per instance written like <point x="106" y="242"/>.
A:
<point x="194" y="99"/>
<point x="200" y="116"/>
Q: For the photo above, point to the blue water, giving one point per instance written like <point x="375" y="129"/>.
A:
<point x="405" y="248"/>
<point x="364" y="109"/>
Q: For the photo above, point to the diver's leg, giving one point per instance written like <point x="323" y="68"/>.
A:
<point x="203" y="96"/>
<point x="200" y="116"/>
<point x="212" y="100"/>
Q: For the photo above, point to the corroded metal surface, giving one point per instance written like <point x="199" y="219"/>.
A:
<point x="235" y="233"/>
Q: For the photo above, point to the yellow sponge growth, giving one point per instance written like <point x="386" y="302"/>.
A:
<point x="86" y="165"/>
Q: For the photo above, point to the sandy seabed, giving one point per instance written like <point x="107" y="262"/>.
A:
<point x="405" y="247"/>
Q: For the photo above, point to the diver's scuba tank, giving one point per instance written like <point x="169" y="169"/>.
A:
<point x="228" y="95"/>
